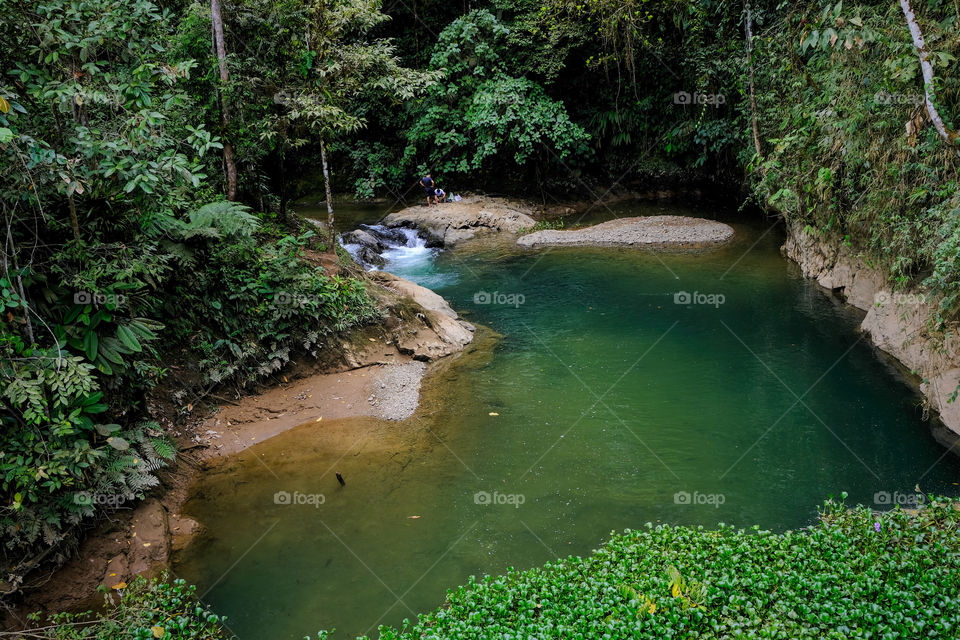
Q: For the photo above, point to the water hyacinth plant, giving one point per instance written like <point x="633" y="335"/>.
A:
<point x="836" y="579"/>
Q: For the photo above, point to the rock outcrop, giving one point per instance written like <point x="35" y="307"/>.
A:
<point x="897" y="322"/>
<point x="652" y="231"/>
<point x="452" y="222"/>
<point x="439" y="333"/>
<point x="368" y="246"/>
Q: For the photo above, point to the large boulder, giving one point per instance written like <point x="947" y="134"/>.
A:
<point x="454" y="222"/>
<point x="365" y="247"/>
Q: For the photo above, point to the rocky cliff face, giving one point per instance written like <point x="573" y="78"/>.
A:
<point x="897" y="322"/>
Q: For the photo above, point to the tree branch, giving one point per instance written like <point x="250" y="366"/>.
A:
<point x="927" y="70"/>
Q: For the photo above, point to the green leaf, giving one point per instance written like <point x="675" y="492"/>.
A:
<point x="109" y="351"/>
<point x="90" y="344"/>
<point x="118" y="443"/>
<point x="107" y="429"/>
<point x="128" y="339"/>
<point x="142" y="329"/>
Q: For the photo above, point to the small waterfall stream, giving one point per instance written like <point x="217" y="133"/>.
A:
<point x="399" y="250"/>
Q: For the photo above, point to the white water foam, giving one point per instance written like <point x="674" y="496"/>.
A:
<point x="407" y="255"/>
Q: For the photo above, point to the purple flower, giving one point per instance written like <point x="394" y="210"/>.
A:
<point x="876" y="525"/>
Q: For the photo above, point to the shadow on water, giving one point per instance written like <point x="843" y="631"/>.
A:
<point x="610" y="400"/>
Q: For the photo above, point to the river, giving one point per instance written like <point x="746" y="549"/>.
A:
<point x="625" y="386"/>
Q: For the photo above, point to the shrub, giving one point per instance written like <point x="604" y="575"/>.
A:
<point x="146" y="610"/>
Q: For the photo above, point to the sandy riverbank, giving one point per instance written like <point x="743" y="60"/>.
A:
<point x="388" y="391"/>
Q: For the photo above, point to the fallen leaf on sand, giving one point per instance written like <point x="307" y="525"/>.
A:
<point x="319" y="419"/>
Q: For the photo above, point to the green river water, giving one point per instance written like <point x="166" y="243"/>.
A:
<point x="616" y="406"/>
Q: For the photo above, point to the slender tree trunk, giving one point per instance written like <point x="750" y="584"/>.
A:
<point x="11" y="247"/>
<point x="753" y="97"/>
<point x="927" y="69"/>
<point x="326" y="184"/>
<point x="26" y="308"/>
<point x="74" y="222"/>
<point x="220" y="47"/>
<point x="283" y="186"/>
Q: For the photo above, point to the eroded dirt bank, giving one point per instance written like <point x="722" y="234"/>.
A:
<point x="898" y="322"/>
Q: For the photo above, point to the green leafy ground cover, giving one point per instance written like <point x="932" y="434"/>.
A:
<point x="854" y="575"/>
<point x="145" y="610"/>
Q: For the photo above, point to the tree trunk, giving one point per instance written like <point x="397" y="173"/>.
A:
<point x="220" y="47"/>
<point x="10" y="248"/>
<point x="753" y="97"/>
<point x="74" y="222"/>
<point x="927" y="69"/>
<point x="326" y="184"/>
<point x="283" y="188"/>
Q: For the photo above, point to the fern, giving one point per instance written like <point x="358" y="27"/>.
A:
<point x="180" y="252"/>
<point x="163" y="448"/>
<point x="138" y="482"/>
<point x="220" y="219"/>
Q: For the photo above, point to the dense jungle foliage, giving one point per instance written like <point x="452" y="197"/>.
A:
<point x="151" y="148"/>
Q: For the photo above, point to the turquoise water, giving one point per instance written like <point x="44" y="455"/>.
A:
<point x="615" y="406"/>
